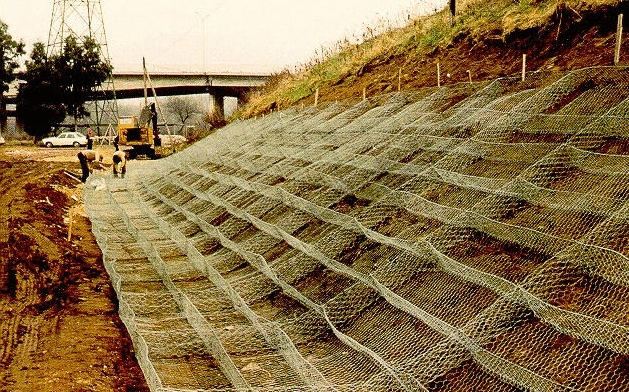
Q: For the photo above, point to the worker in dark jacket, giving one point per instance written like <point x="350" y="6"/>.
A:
<point x="120" y="163"/>
<point x="157" y="141"/>
<point x="90" y="135"/>
<point x="86" y="156"/>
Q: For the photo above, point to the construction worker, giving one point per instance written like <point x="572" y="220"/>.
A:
<point x="157" y="141"/>
<point x="86" y="156"/>
<point x="90" y="135"/>
<point x="120" y="163"/>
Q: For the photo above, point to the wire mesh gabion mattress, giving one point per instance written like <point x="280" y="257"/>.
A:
<point x="473" y="237"/>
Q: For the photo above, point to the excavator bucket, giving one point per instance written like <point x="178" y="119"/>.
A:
<point x="145" y="115"/>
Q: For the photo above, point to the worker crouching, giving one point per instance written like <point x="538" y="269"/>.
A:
<point x="120" y="163"/>
<point x="86" y="156"/>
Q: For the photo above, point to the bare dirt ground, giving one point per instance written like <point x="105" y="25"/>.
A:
<point x="59" y="326"/>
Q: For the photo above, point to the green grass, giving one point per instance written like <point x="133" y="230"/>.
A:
<point x="478" y="20"/>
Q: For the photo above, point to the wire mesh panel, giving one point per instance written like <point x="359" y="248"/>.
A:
<point x="470" y="237"/>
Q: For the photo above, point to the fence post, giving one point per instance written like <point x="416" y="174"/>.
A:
<point x="364" y="93"/>
<point x="70" y="225"/>
<point x="452" y="11"/>
<point x="438" y="75"/>
<point x="523" y="67"/>
<point x="399" y="79"/>
<point x="469" y="74"/>
<point x="316" y="97"/>
<point x="618" y="40"/>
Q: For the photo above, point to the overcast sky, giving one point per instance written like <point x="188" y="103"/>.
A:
<point x="240" y="35"/>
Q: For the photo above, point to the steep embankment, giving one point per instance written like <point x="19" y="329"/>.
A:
<point x="488" y="38"/>
<point x="466" y="237"/>
<point x="471" y="237"/>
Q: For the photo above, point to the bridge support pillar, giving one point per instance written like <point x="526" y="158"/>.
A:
<point x="217" y="106"/>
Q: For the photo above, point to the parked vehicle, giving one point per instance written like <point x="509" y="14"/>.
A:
<point x="75" y="139"/>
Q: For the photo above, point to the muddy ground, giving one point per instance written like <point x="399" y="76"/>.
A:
<point x="59" y="326"/>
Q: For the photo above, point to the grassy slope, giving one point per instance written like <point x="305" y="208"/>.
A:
<point x="483" y="22"/>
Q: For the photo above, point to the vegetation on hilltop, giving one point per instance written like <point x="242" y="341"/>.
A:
<point x="496" y="23"/>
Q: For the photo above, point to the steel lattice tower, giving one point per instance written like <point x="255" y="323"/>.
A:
<point x="84" y="18"/>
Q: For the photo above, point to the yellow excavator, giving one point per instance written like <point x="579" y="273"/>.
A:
<point x="139" y="134"/>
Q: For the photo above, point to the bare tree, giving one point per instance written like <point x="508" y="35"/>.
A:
<point x="183" y="109"/>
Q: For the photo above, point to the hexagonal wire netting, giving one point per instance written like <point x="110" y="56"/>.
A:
<point x="470" y="237"/>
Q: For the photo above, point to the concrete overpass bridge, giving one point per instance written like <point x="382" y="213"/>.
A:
<point x="217" y="85"/>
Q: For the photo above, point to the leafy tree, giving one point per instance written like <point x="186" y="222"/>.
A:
<point x="183" y="109"/>
<point x="39" y="101"/>
<point x="82" y="69"/>
<point x="59" y="85"/>
<point x="10" y="51"/>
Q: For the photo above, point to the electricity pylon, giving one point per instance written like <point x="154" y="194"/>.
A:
<point x="84" y="18"/>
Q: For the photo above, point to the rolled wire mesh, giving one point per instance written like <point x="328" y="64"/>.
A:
<point x="471" y="237"/>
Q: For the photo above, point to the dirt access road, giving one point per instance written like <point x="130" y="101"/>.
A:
<point x="59" y="326"/>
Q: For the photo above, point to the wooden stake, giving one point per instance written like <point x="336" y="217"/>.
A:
<point x="438" y="75"/>
<point x="452" y="11"/>
<point x="364" y="93"/>
<point x="70" y="227"/>
<point x="316" y="97"/>
<point x="399" y="79"/>
<point x="523" y="67"/>
<point x="469" y="74"/>
<point x="618" y="40"/>
<point x="72" y="176"/>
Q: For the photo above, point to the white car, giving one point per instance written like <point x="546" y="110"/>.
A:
<point x="75" y="139"/>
